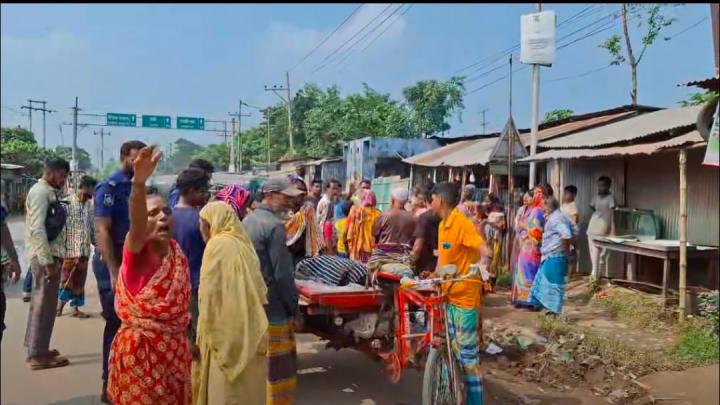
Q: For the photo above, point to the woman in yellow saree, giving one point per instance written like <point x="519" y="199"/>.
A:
<point x="359" y="227"/>
<point x="231" y="336"/>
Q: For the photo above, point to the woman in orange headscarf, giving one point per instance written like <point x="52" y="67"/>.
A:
<point x="359" y="227"/>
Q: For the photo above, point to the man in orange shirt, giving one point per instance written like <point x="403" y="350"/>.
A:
<point x="460" y="244"/>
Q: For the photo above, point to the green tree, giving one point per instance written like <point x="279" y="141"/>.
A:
<point x="182" y="154"/>
<point x="651" y="16"/>
<point x="556" y="115"/>
<point x="110" y="166"/>
<point x="18" y="146"/>
<point x="83" y="157"/>
<point x="433" y="101"/>
<point x="218" y="154"/>
<point x="699" y="98"/>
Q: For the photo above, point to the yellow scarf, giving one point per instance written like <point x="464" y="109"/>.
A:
<point x="232" y="292"/>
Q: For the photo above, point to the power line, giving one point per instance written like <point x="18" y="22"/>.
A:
<point x="501" y="55"/>
<point x="495" y="81"/>
<point x="516" y="47"/>
<point x="577" y="76"/>
<point x="349" y="51"/>
<point x="323" y="63"/>
<point x="686" y="29"/>
<point x="388" y="27"/>
<point x="327" y="37"/>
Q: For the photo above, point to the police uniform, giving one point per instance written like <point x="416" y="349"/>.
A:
<point x="111" y="201"/>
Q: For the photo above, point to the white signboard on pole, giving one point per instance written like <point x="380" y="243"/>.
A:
<point x="537" y="38"/>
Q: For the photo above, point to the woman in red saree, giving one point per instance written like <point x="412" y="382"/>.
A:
<point x="150" y="356"/>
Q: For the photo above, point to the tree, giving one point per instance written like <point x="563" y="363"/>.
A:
<point x="83" y="157"/>
<point x="654" y="22"/>
<point x="433" y="101"/>
<point x="182" y="154"/>
<point x="18" y="146"/>
<point x="218" y="154"/>
<point x="699" y="98"/>
<point x="110" y="166"/>
<point x="556" y="115"/>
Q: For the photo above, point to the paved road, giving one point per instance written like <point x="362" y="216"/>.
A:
<point x="343" y="377"/>
<point x="327" y="376"/>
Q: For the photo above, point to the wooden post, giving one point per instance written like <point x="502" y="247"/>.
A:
<point x="683" y="233"/>
<point x="412" y="172"/>
<point x="462" y="181"/>
<point x="434" y="175"/>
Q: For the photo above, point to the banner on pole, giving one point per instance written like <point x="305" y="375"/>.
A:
<point x="537" y="38"/>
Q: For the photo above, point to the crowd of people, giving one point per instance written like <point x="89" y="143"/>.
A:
<point x="171" y="274"/>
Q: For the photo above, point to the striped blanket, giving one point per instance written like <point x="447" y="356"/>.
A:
<point x="331" y="270"/>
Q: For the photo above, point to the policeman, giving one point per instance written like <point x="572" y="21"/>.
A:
<point x="112" y="222"/>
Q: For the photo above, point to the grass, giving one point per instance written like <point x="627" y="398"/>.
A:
<point x="699" y="344"/>
<point x="610" y="348"/>
<point x="639" y="309"/>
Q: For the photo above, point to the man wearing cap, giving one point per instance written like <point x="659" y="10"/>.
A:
<point x="267" y="232"/>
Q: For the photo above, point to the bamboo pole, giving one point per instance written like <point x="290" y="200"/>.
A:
<point x="683" y="234"/>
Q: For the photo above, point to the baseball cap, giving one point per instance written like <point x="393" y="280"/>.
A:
<point x="280" y="185"/>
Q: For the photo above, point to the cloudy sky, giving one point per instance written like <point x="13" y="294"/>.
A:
<point x="199" y="60"/>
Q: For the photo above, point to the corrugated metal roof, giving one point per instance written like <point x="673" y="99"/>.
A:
<point x="437" y="157"/>
<point x="632" y="128"/>
<point x="711" y="83"/>
<point x="692" y="137"/>
<point x="574" y="126"/>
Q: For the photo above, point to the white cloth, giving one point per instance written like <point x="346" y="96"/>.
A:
<point x="601" y="220"/>
<point x="598" y="257"/>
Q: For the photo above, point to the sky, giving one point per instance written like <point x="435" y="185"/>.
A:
<point x="200" y="60"/>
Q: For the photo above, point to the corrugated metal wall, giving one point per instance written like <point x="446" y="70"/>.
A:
<point x="583" y="174"/>
<point x="334" y="170"/>
<point x="654" y="183"/>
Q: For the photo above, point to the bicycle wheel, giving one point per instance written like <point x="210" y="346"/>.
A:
<point x="438" y="387"/>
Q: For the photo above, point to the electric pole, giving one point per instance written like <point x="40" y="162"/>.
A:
<point x="288" y="102"/>
<point x="483" y="121"/>
<point x="231" y="166"/>
<point x="73" y="159"/>
<point x="267" y="120"/>
<point x="44" y="110"/>
<point x="239" y="116"/>
<point x="535" y="113"/>
<point x="102" y="134"/>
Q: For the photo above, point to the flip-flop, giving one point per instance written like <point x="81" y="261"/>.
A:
<point x="81" y="315"/>
<point x="52" y="362"/>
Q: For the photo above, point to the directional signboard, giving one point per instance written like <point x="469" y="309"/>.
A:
<point x="121" y="120"/>
<point x="156" y="121"/>
<point x="190" y="123"/>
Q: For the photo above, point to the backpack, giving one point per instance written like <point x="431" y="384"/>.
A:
<point x="55" y="219"/>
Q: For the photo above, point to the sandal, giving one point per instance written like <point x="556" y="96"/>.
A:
<point x="48" y="362"/>
<point x="51" y="353"/>
<point x="81" y="315"/>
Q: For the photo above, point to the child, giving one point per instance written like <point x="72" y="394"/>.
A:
<point x="569" y="208"/>
<point x="340" y="229"/>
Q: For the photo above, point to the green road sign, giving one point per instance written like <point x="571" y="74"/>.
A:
<point x="156" y="121"/>
<point x="190" y="123"/>
<point x="121" y="120"/>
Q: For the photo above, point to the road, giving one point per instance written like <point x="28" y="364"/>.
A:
<point x="326" y="376"/>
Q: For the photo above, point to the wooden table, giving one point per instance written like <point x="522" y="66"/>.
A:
<point x="666" y="250"/>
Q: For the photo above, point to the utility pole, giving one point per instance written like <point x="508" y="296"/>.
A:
<point x="231" y="167"/>
<point x="267" y="120"/>
<point x="535" y="113"/>
<point x="73" y="159"/>
<point x="288" y="102"/>
<point x="483" y="121"/>
<point x="239" y="116"/>
<point x="102" y="134"/>
<point x="44" y="110"/>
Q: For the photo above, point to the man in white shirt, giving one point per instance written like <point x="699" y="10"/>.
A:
<point x="601" y="223"/>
